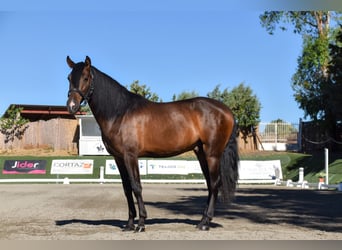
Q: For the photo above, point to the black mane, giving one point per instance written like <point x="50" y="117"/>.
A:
<point x="113" y="97"/>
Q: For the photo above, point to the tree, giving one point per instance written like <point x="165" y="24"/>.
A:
<point x="185" y="95"/>
<point x="219" y="95"/>
<point x="144" y="91"/>
<point x="335" y="74"/>
<point x="310" y="83"/>
<point x="86" y="109"/>
<point x="310" y="79"/>
<point x="12" y="124"/>
<point x="313" y="23"/>
<point x="314" y="26"/>
<point x="244" y="105"/>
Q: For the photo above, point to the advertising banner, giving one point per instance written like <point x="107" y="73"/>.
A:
<point x="193" y="167"/>
<point x="260" y="170"/>
<point x="167" y="167"/>
<point x="72" y="167"/>
<point x="24" y="167"/>
<point x="112" y="168"/>
<point x="248" y="170"/>
<point x="92" y="146"/>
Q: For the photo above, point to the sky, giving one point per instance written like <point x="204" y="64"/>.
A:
<point x="170" y="49"/>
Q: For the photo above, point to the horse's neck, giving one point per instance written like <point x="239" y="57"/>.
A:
<point x="110" y="100"/>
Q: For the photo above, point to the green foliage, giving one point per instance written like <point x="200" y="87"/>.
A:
<point x="86" y="109"/>
<point x="144" y="91"/>
<point x="244" y="105"/>
<point x="314" y="168"/>
<point x="12" y="125"/>
<point x="309" y="81"/>
<point x="313" y="23"/>
<point x="219" y="95"/>
<point x="185" y="95"/>
<point x="335" y="80"/>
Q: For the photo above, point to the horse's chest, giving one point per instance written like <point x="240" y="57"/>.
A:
<point x="112" y="148"/>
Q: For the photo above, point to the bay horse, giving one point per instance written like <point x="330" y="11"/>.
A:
<point x="132" y="127"/>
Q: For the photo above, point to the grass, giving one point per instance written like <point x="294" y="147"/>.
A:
<point x="313" y="165"/>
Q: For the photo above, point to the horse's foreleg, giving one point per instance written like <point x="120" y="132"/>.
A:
<point x="133" y="171"/>
<point x="129" y="196"/>
<point x="131" y="207"/>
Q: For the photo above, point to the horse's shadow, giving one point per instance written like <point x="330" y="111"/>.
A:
<point x="122" y="223"/>
<point x="185" y="206"/>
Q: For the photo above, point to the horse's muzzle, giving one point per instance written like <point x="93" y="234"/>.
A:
<point x="72" y="106"/>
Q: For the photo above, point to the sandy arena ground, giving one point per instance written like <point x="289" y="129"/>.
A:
<point x="95" y="211"/>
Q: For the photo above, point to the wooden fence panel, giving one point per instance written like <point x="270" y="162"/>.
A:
<point x="249" y="144"/>
<point x="56" y="134"/>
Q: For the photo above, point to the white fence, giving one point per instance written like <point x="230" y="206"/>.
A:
<point x="278" y="136"/>
<point x="249" y="171"/>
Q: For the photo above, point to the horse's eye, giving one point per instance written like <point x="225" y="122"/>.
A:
<point x="86" y="79"/>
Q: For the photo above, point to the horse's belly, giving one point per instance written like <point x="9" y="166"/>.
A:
<point x="169" y="144"/>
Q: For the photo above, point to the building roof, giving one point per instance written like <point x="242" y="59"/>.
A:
<point x="43" y="112"/>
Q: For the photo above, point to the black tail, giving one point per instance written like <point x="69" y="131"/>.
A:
<point x="229" y="168"/>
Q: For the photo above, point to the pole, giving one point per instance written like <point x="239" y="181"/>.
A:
<point x="299" y="135"/>
<point x="101" y="174"/>
<point x="301" y="175"/>
<point x="276" y="135"/>
<point x="326" y="158"/>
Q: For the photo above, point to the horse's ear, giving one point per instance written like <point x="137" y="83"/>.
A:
<point x="70" y="62"/>
<point x="87" y="61"/>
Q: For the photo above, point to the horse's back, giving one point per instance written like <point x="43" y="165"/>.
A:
<point x="198" y="104"/>
<point x="199" y="117"/>
<point x="198" y="110"/>
<point x="206" y="110"/>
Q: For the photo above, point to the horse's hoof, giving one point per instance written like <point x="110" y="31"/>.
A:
<point x="203" y="227"/>
<point x="139" y="229"/>
<point x="127" y="228"/>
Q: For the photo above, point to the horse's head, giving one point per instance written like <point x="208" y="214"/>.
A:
<point x="81" y="84"/>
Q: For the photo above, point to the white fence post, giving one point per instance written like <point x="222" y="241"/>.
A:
<point x="276" y="135"/>
<point x="102" y="174"/>
<point x="301" y="175"/>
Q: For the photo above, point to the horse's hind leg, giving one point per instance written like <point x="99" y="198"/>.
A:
<point x="210" y="169"/>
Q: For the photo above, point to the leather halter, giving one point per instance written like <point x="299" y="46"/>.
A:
<point x="85" y="97"/>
